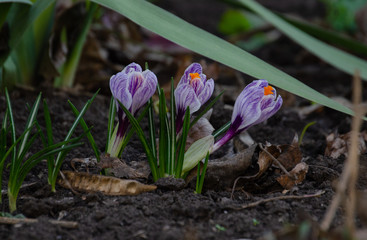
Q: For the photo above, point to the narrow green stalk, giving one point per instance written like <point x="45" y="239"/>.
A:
<point x="151" y="160"/>
<point x="201" y="176"/>
<point x="111" y="120"/>
<point x="85" y="129"/>
<point x="50" y="141"/>
<point x="222" y="129"/>
<point x="173" y="130"/>
<point x="31" y="119"/>
<point x="163" y="135"/>
<point x="304" y="131"/>
<point x="70" y="66"/>
<point x="3" y="141"/>
<point x="60" y="157"/>
<point x="131" y="131"/>
<point x="152" y="130"/>
<point x="12" y="201"/>
<point x="12" y="127"/>
<point x="182" y="143"/>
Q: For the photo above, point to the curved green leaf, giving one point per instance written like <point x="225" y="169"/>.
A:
<point x="185" y="34"/>
<point x="339" y="59"/>
<point x="16" y="1"/>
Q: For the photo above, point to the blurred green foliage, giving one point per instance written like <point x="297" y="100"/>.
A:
<point x="340" y="14"/>
<point x="233" y="21"/>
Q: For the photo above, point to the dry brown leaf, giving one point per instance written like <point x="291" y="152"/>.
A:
<point x="290" y="156"/>
<point x="105" y="184"/>
<point x="297" y="175"/>
<point x="120" y="169"/>
<point x="338" y="144"/>
<point x="221" y="173"/>
<point x="265" y="160"/>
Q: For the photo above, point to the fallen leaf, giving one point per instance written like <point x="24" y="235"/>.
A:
<point x="290" y="156"/>
<point x="120" y="169"/>
<point x="338" y="144"/>
<point x="222" y="172"/>
<point x="265" y="161"/>
<point x="297" y="175"/>
<point x="105" y="184"/>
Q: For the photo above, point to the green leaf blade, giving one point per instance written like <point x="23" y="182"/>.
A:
<point x="166" y="24"/>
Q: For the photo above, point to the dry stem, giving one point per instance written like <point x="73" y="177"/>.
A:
<point x="65" y="224"/>
<point x="254" y="204"/>
<point x="277" y="162"/>
<point x="349" y="175"/>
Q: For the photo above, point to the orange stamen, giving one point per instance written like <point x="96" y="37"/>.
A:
<point x="194" y="75"/>
<point x="268" y="90"/>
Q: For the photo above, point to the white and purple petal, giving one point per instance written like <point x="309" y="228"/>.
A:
<point x="132" y="67"/>
<point x="145" y="91"/>
<point x="207" y="92"/>
<point x="193" y="68"/>
<point x="254" y="105"/>
<point x="185" y="97"/>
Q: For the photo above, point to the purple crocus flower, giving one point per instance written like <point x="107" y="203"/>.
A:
<point x="256" y="103"/>
<point x="192" y="91"/>
<point x="133" y="88"/>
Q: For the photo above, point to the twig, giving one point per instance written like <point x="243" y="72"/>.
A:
<point x="254" y="204"/>
<point x="65" y="224"/>
<point x="350" y="171"/>
<point x="249" y="177"/>
<point x="277" y="162"/>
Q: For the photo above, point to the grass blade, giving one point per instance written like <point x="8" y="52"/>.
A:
<point x="151" y="160"/>
<point x="50" y="140"/>
<point x="86" y="130"/>
<point x="163" y="135"/>
<point x="182" y="143"/>
<point x="131" y="131"/>
<point x="173" y="129"/>
<point x="152" y="130"/>
<point x="12" y="127"/>
<point x="31" y="119"/>
<point x="222" y="129"/>
<point x="59" y="158"/>
<point x="200" y="177"/>
<point x="183" y="33"/>
<point x="69" y="68"/>
<point x="111" y="120"/>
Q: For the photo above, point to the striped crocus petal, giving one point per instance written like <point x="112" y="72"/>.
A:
<point x="133" y="88"/>
<point x="192" y="91"/>
<point x="142" y="87"/>
<point x="256" y="103"/>
<point x="185" y="97"/>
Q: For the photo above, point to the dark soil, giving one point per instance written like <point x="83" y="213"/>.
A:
<point x="167" y="214"/>
<point x="182" y="214"/>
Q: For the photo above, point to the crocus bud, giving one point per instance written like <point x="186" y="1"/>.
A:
<point x="256" y="103"/>
<point x="133" y="88"/>
<point x="192" y="91"/>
